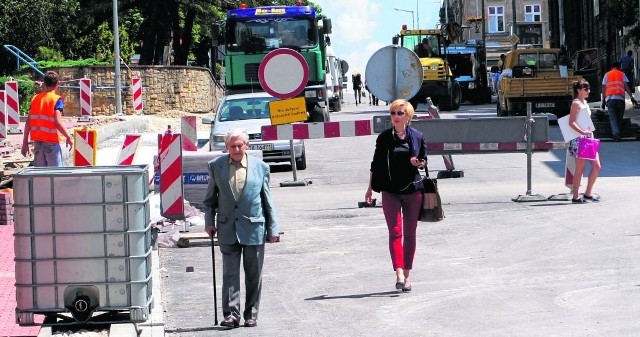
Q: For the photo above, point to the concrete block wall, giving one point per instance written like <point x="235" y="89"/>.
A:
<point x="190" y="89"/>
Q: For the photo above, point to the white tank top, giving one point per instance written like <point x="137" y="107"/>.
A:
<point x="584" y="110"/>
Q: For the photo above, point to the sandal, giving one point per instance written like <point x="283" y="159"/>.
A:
<point x="578" y="201"/>
<point x="594" y="197"/>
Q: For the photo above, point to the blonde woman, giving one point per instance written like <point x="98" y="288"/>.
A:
<point x="400" y="151"/>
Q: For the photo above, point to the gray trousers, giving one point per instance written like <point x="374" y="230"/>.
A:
<point x="615" y="108"/>
<point x="252" y="261"/>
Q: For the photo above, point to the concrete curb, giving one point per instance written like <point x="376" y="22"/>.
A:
<point x="127" y="125"/>
<point x="154" y="326"/>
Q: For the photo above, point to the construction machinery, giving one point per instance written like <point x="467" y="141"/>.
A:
<point x="438" y="81"/>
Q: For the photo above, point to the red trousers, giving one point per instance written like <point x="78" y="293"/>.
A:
<point x="401" y="212"/>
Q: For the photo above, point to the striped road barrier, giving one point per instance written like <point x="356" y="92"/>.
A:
<point x="3" y="119"/>
<point x="170" y="167"/>
<point x="85" y="142"/>
<point x="189" y="133"/>
<point x="13" y="107"/>
<point x="129" y="149"/>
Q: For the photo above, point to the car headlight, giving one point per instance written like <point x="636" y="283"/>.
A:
<point x="218" y="138"/>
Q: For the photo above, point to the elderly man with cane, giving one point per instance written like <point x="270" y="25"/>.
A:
<point x="238" y="207"/>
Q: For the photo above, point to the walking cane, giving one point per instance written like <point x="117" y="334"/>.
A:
<point x="215" y="291"/>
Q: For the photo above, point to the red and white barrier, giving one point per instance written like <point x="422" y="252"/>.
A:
<point x="493" y="147"/>
<point x="569" y="170"/>
<point x="13" y="107"/>
<point x="171" y="184"/>
<point x="136" y="85"/>
<point x="129" y="149"/>
<point x="189" y="133"/>
<point x="363" y="128"/>
<point x="3" y="119"/>
<point x="317" y="130"/>
<point x="85" y="142"/>
<point x="85" y="100"/>
<point x="446" y="158"/>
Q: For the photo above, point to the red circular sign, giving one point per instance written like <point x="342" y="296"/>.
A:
<point x="283" y="73"/>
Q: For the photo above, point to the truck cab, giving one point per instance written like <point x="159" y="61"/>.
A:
<point x="438" y="82"/>
<point x="541" y="76"/>
<point x="251" y="33"/>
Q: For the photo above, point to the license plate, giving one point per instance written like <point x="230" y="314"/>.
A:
<point x="545" y="105"/>
<point x="309" y="93"/>
<point x="263" y="147"/>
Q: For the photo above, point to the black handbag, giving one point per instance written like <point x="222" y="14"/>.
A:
<point x="431" y="208"/>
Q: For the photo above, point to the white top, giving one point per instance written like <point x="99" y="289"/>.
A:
<point x="584" y="116"/>
<point x="583" y="120"/>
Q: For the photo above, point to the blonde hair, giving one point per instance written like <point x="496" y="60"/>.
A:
<point x="403" y="103"/>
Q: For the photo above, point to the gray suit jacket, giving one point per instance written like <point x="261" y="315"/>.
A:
<point x="249" y="220"/>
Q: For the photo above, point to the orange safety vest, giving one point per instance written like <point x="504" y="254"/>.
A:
<point x="614" y="83"/>
<point x="42" y="117"/>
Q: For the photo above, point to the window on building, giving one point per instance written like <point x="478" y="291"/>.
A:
<point x="532" y="13"/>
<point x="496" y="19"/>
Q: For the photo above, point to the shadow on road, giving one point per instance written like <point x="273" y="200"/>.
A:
<point x="354" y="296"/>
<point x="204" y="328"/>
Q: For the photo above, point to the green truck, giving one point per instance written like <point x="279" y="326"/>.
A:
<point x="249" y="34"/>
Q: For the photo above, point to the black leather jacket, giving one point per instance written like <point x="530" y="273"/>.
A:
<point x="382" y="165"/>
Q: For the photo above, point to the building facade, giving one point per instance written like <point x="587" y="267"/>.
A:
<point x="503" y="23"/>
<point x="575" y="24"/>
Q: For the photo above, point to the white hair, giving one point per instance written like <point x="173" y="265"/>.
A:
<point x="233" y="133"/>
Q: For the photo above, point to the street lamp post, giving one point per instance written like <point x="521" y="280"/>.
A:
<point x="116" y="52"/>
<point x="413" y="19"/>
<point x="418" y="14"/>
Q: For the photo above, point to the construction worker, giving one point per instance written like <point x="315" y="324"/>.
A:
<point x="626" y="65"/>
<point x="614" y="84"/>
<point x="44" y="123"/>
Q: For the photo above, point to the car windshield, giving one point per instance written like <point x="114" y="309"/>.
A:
<point x="271" y="33"/>
<point x="542" y="60"/>
<point x="423" y="45"/>
<point x="245" y="108"/>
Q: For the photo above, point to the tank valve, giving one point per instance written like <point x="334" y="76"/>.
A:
<point x="82" y="308"/>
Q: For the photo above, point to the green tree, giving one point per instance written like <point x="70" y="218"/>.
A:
<point x="82" y="29"/>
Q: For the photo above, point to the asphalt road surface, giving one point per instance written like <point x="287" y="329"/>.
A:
<point x="493" y="267"/>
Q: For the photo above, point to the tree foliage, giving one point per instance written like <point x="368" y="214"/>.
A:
<point x="630" y="18"/>
<point x="81" y="29"/>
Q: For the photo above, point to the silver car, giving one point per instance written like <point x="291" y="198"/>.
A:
<point x="250" y="112"/>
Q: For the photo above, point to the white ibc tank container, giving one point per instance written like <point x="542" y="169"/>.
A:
<point x="82" y="241"/>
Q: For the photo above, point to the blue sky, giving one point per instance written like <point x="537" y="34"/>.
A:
<point x="361" y="27"/>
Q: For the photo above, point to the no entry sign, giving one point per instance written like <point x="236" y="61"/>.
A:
<point x="283" y="73"/>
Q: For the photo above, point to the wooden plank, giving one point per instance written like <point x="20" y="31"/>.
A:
<point x="185" y="238"/>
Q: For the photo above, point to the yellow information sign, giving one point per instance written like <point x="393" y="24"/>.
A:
<point x="288" y="111"/>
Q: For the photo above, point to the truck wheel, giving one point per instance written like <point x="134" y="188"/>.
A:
<point x="487" y="96"/>
<point x="456" y="94"/>
<point x="336" y="105"/>
<point x="445" y="103"/>
<point x="317" y="114"/>
<point x="301" y="163"/>
<point x="477" y="98"/>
